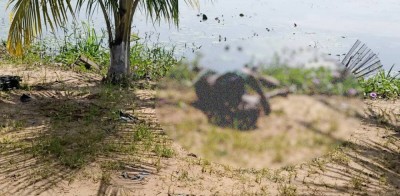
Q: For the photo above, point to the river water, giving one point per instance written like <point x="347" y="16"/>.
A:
<point x="252" y="31"/>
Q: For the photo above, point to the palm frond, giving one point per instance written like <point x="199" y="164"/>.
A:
<point x="109" y="8"/>
<point x="165" y="9"/>
<point x="28" y="17"/>
<point x="361" y="61"/>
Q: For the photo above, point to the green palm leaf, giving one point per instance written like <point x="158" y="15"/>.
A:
<point x="28" y="17"/>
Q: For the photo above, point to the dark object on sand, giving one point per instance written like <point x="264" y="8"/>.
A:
<point x="192" y="155"/>
<point x="361" y="61"/>
<point x="224" y="92"/>
<point x="205" y="17"/>
<point x="127" y="117"/>
<point x="224" y="100"/>
<point x="242" y="117"/>
<point x="9" y="82"/>
<point x="135" y="177"/>
<point x="89" y="64"/>
<point x="25" y="98"/>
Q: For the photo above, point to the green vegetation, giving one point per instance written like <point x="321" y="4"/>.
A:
<point x="82" y="39"/>
<point x="183" y="72"/>
<point x="149" y="60"/>
<point x="27" y="23"/>
<point x="383" y="84"/>
<point x="287" y="190"/>
<point x="314" y="80"/>
<point x="152" y="62"/>
<point x="163" y="151"/>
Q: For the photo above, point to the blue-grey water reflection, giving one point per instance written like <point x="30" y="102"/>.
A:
<point x="267" y="26"/>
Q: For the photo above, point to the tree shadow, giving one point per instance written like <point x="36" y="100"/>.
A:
<point x="122" y="186"/>
<point x="24" y="169"/>
<point x="65" y="128"/>
<point x="374" y="116"/>
<point x="382" y="118"/>
<point x="369" y="166"/>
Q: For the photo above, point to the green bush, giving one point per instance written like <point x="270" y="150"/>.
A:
<point x="181" y="72"/>
<point x="151" y="61"/>
<point x="314" y="80"/>
<point x="36" y="53"/>
<point x="147" y="60"/>
<point x="83" y="40"/>
<point x="384" y="85"/>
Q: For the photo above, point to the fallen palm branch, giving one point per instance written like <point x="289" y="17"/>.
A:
<point x="361" y="61"/>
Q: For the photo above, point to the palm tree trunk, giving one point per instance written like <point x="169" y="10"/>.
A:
<point x="119" y="67"/>
<point x="119" y="48"/>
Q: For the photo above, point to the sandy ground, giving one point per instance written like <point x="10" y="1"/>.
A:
<point x="365" y="162"/>
<point x="299" y="129"/>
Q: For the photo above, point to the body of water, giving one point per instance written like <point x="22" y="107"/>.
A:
<point x="300" y="31"/>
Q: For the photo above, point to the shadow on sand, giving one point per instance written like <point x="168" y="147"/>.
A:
<point x="374" y="163"/>
<point x="65" y="129"/>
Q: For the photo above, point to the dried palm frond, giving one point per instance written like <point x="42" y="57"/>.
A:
<point x="394" y="76"/>
<point x="361" y="61"/>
